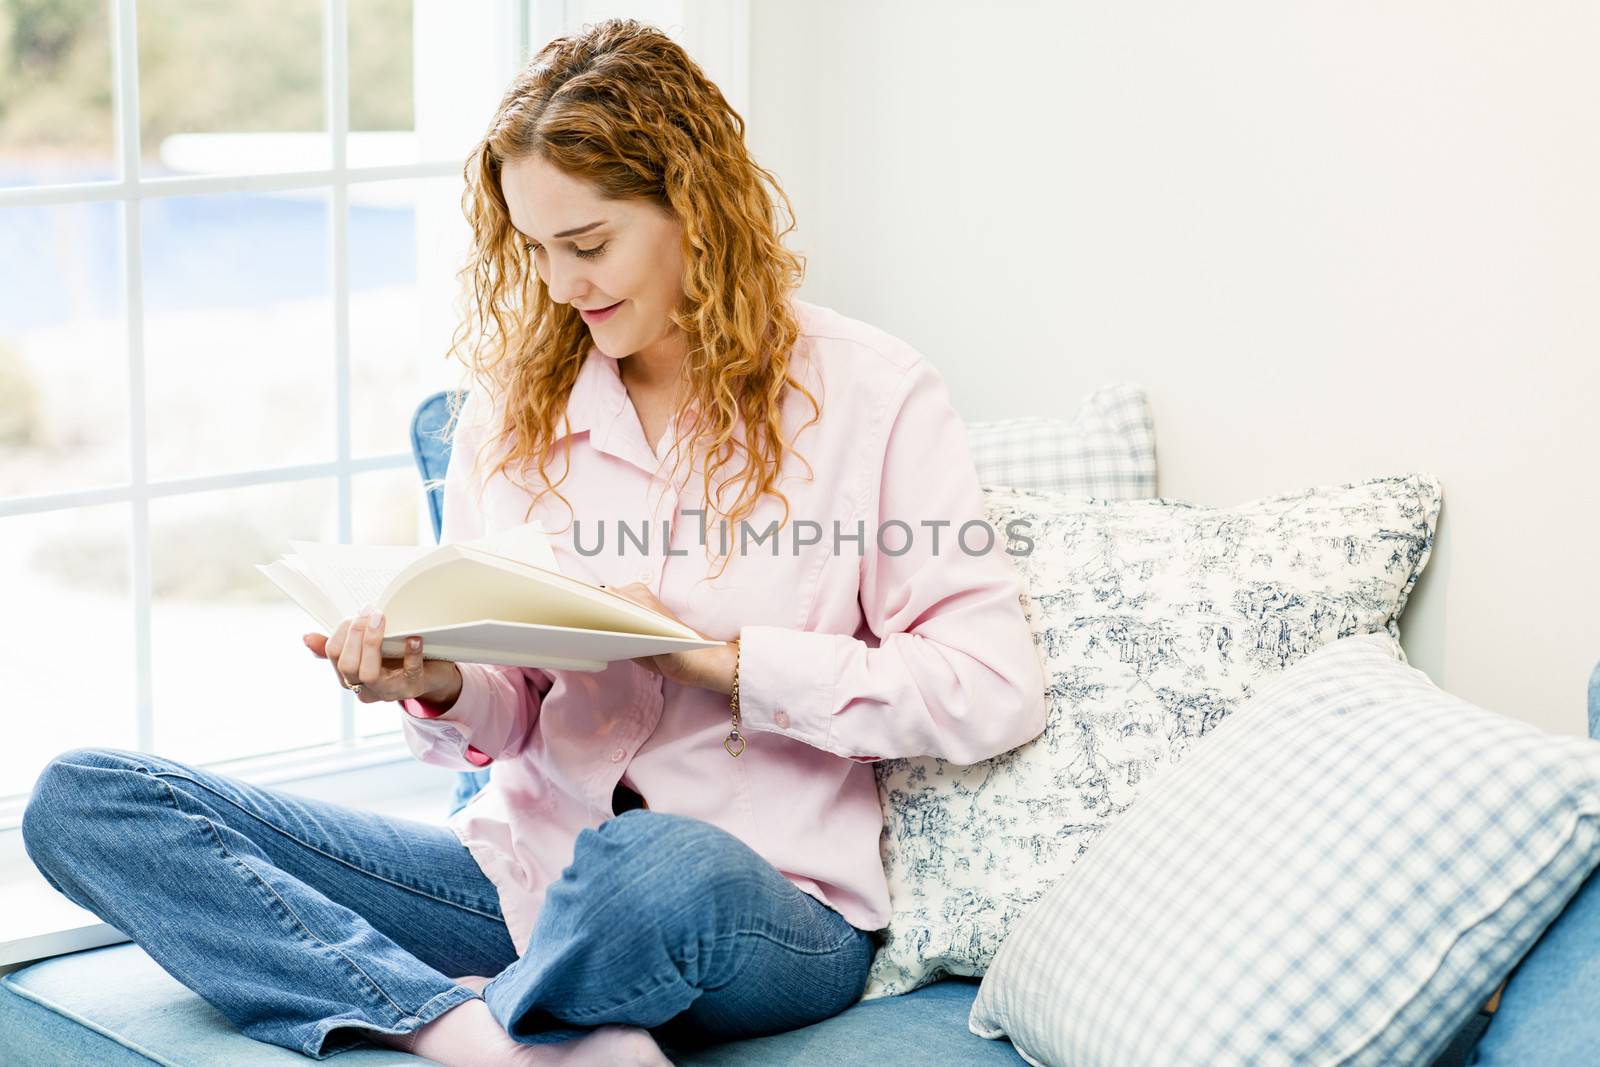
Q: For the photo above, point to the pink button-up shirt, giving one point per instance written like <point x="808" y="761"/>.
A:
<point x="895" y="640"/>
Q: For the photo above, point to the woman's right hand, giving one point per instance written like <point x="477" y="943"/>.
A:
<point x="355" y="651"/>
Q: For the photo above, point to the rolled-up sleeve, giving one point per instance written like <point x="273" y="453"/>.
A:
<point x="491" y="719"/>
<point x="498" y="706"/>
<point x="955" y="673"/>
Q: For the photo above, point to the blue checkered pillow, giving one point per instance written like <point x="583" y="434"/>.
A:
<point x="1341" y="873"/>
<point x="1107" y="450"/>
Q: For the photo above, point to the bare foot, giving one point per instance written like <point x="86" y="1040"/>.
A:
<point x="607" y="1046"/>
<point x="621" y="1046"/>
<point x="468" y="1036"/>
<point x="474" y="982"/>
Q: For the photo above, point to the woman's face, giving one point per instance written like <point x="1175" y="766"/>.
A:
<point x="628" y="253"/>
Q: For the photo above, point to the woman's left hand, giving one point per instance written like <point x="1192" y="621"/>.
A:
<point x="702" y="668"/>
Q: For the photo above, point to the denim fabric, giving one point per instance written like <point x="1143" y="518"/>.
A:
<point x="665" y="917"/>
<point x="115" y="1007"/>
<point x="305" y="923"/>
<point x="468" y="785"/>
<point x="1547" y="1013"/>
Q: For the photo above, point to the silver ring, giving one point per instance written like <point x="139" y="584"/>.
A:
<point x="356" y="688"/>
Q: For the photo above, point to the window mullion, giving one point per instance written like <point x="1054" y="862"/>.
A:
<point x="203" y="483"/>
<point x="336" y="85"/>
<point x="208" y="184"/>
<point x="125" y="91"/>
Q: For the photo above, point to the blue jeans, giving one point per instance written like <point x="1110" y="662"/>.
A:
<point x="1549" y="1012"/>
<point x="308" y="924"/>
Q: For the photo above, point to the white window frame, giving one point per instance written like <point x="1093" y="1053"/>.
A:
<point x="131" y="189"/>
<point x="716" y="33"/>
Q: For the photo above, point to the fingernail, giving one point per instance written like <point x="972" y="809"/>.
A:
<point x="414" y="643"/>
<point x="376" y="618"/>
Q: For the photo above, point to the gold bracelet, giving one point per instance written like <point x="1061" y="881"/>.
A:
<point x="733" y="703"/>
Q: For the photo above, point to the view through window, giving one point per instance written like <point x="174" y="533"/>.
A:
<point x="228" y="233"/>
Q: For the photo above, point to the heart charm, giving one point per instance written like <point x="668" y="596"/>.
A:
<point x="727" y="743"/>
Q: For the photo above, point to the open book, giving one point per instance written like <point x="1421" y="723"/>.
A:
<point x="499" y="599"/>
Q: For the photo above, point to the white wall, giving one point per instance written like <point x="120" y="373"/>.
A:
<point x="1333" y="241"/>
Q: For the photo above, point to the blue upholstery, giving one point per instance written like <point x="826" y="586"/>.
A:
<point x="1594" y="703"/>
<point x="111" y="1006"/>
<point x="114" y="1006"/>
<point x="431" y="449"/>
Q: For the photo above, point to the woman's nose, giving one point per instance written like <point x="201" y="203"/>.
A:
<point x="564" y="283"/>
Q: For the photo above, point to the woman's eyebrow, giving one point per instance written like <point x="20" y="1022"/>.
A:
<point x="580" y="229"/>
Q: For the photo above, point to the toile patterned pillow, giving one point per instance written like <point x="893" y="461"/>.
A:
<point x="1155" y="619"/>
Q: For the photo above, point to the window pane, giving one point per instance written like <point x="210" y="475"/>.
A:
<point x="238" y="332"/>
<point x="382" y="115"/>
<point x="66" y="628"/>
<point x="387" y="508"/>
<point x="63" y="349"/>
<point x="425" y="76"/>
<point x="230" y="87"/>
<point x="407" y="240"/>
<point x="231" y="675"/>
<point x="55" y="93"/>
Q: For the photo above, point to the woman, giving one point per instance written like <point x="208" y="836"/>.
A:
<point x="820" y="517"/>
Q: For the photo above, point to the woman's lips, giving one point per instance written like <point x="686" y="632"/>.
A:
<point x="602" y="315"/>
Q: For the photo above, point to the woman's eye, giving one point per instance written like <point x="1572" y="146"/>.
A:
<point x="583" y="253"/>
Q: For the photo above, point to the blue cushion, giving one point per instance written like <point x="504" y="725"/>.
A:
<point x="1594" y="703"/>
<point x="431" y="450"/>
<point x="113" y="1006"/>
<point x="927" y="1026"/>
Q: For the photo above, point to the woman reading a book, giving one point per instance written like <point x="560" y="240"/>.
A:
<point x="683" y="847"/>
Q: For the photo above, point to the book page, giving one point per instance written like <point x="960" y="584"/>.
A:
<point x="362" y="584"/>
<point x="286" y="576"/>
<point x="458" y="584"/>
<point x="354" y="575"/>
<point x="522" y="544"/>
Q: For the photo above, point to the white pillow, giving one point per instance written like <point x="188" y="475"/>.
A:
<point x="1341" y="875"/>
<point x="1155" y="619"/>
<point x="1107" y="450"/>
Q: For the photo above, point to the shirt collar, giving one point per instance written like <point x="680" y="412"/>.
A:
<point x="598" y="403"/>
<point x="598" y="395"/>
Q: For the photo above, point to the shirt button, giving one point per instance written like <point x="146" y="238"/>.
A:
<point x="616" y="757"/>
<point x="781" y="718"/>
<point x="646" y="577"/>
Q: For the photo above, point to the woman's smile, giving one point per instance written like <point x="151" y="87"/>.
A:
<point x="593" y="317"/>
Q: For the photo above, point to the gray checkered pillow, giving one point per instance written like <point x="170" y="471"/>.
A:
<point x="1107" y="450"/>
<point x="1341" y="874"/>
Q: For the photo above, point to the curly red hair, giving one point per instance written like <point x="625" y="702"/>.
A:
<point x="623" y="107"/>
